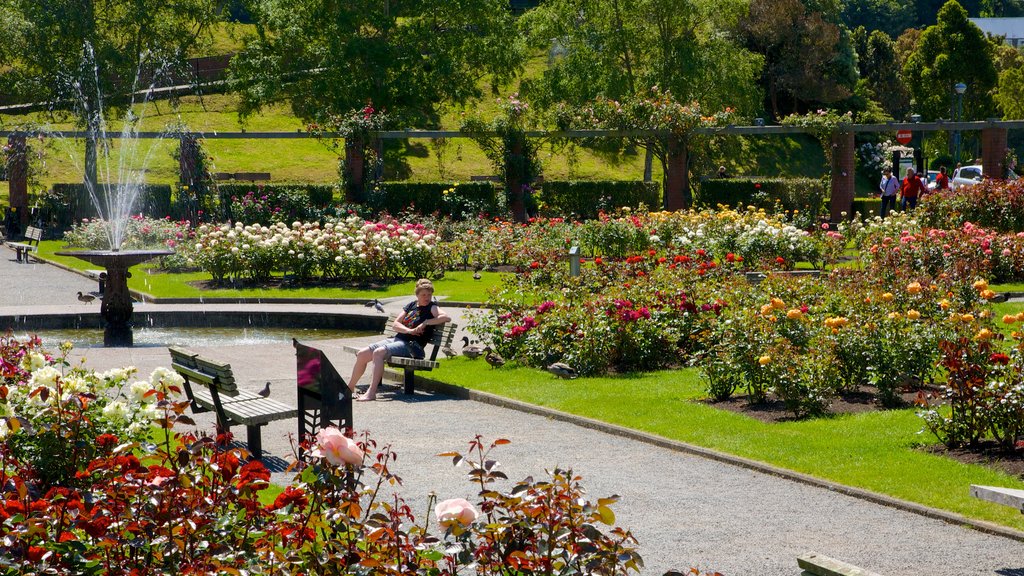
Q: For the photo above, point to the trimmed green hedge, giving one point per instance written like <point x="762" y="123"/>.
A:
<point x="585" y="198"/>
<point x="320" y="195"/>
<point x="67" y="203"/>
<point x="791" y="193"/>
<point x="867" y="207"/>
<point x="465" y="199"/>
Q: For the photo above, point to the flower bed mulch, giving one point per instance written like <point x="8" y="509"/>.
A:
<point x="988" y="453"/>
<point x="862" y="400"/>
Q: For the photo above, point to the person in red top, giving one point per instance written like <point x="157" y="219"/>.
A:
<point x="942" y="180"/>
<point x="910" y="190"/>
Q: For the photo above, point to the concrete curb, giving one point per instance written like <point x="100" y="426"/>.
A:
<point x="428" y="384"/>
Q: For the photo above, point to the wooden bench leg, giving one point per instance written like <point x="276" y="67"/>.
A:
<point x="254" y="440"/>
<point x="410" y="381"/>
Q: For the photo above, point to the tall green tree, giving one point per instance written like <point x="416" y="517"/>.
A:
<point x="889" y="16"/>
<point x="331" y="57"/>
<point x="44" y="58"/>
<point x="953" y="50"/>
<point x="881" y="67"/>
<point x="809" y="58"/>
<point x="620" y="48"/>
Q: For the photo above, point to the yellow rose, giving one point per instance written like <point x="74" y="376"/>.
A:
<point x="766" y="309"/>
<point x="965" y="318"/>
<point x="914" y="287"/>
<point x="944" y="304"/>
<point x="794" y="314"/>
<point x="980" y="285"/>
<point x="913" y="314"/>
<point x="764" y="360"/>
<point x="894" y="316"/>
<point x="984" y="314"/>
<point x="984" y="334"/>
<point x="988" y="294"/>
<point x="887" y="297"/>
<point x="1009" y="318"/>
<point x="778" y="304"/>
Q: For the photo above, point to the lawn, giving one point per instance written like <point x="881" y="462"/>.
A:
<point x="876" y="451"/>
<point x="455" y="286"/>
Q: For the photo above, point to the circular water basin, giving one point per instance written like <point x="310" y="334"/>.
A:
<point x="192" y="336"/>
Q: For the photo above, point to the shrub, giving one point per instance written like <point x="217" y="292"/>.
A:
<point x="585" y="199"/>
<point x="460" y="200"/>
<point x="271" y="203"/>
<point x="994" y="204"/>
<point x="807" y="195"/>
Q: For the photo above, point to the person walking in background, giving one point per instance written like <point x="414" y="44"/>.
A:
<point x="910" y="190"/>
<point x="888" y="187"/>
<point x="942" y="180"/>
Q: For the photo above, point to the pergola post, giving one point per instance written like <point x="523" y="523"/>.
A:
<point x="993" y="152"/>
<point x="17" y="175"/>
<point x="842" y="176"/>
<point x="677" y="180"/>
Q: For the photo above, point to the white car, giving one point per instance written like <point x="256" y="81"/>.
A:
<point x="971" y="175"/>
<point x="965" y="176"/>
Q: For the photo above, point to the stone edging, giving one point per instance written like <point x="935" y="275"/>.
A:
<point x="431" y="385"/>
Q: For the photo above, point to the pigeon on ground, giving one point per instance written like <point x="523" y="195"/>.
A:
<point x="476" y="275"/>
<point x="266" y="390"/>
<point x="563" y="370"/>
<point x="85" y="298"/>
<point x="376" y="304"/>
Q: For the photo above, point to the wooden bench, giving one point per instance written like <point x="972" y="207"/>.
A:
<point x="216" y="390"/>
<point x="32" y="237"/>
<point x="820" y="565"/>
<point x="443" y="336"/>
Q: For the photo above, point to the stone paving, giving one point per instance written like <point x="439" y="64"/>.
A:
<point x="685" y="510"/>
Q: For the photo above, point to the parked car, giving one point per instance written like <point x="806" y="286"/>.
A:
<point x="965" y="176"/>
<point x="971" y="175"/>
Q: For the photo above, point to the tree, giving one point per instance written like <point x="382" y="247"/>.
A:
<point x="46" y="55"/>
<point x="327" y="57"/>
<point x="881" y="66"/>
<point x="331" y="59"/>
<point x="953" y="50"/>
<point x="889" y="16"/>
<point x="809" y="60"/>
<point x="621" y="48"/>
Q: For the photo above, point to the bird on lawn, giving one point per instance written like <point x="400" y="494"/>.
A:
<point x="471" y="350"/>
<point x="476" y="275"/>
<point x="266" y="390"/>
<point x="449" y="352"/>
<point x="376" y="304"/>
<point x="493" y="358"/>
<point x="563" y="370"/>
<point x="85" y="298"/>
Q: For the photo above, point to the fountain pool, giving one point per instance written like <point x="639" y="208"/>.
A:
<point x="192" y="336"/>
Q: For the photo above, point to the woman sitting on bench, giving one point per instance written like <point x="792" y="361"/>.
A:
<point x="414" y="328"/>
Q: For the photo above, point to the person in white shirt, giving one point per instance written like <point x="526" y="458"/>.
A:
<point x="888" y="187"/>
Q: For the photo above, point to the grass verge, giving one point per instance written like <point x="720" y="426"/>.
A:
<point x="875" y="451"/>
<point x="455" y="286"/>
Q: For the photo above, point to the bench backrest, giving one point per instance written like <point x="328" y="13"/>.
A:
<point x="33" y="234"/>
<point x="204" y="371"/>
<point x="443" y="335"/>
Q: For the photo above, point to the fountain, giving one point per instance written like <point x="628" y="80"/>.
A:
<point x="114" y="200"/>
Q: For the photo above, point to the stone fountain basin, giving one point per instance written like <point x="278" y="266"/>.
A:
<point x="119" y="259"/>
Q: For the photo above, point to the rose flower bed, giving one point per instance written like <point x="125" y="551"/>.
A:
<point x="83" y="490"/>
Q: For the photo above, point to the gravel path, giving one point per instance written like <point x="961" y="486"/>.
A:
<point x="685" y="510"/>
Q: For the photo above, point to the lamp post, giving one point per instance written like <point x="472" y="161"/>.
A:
<point x="960" y="88"/>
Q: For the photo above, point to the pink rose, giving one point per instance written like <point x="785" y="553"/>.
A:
<point x="455" y="510"/>
<point x="1006" y="252"/>
<point x="337" y="448"/>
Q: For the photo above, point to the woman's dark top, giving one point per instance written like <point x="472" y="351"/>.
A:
<point x="414" y="316"/>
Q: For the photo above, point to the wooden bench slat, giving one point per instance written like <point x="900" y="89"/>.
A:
<point x="205" y="398"/>
<point x="261" y="411"/>
<point x="413" y="362"/>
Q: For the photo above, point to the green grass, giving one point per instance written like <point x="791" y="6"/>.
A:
<point x="455" y="286"/>
<point x="1008" y="287"/>
<point x="875" y="451"/>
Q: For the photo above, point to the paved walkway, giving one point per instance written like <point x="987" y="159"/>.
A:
<point x="684" y="510"/>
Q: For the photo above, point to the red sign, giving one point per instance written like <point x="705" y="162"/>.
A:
<point x="904" y="136"/>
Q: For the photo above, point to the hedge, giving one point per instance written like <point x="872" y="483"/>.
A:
<point x="319" y="195"/>
<point x="66" y="203"/>
<point x="867" y="207"/>
<point x="789" y="193"/>
<point x="463" y="199"/>
<point x="585" y="198"/>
